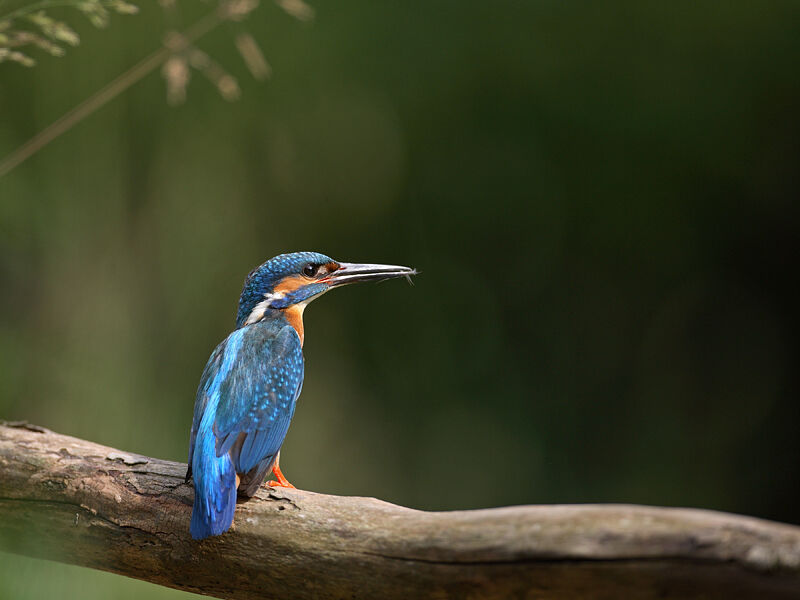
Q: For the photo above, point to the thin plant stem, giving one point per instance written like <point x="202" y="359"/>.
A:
<point x="108" y="93"/>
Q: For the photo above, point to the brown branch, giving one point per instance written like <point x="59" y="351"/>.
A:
<point x="73" y="501"/>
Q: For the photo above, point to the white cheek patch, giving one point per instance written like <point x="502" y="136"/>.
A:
<point x="259" y="309"/>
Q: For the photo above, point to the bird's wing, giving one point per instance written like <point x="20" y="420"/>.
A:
<point x="204" y="390"/>
<point x="258" y="395"/>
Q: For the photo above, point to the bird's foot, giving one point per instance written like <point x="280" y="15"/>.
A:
<point x="282" y="481"/>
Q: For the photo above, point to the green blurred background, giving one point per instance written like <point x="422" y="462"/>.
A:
<point x="602" y="199"/>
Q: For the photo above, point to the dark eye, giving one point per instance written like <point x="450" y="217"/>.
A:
<point x="310" y="270"/>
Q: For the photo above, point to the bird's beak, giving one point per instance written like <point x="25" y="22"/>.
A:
<point x="354" y="273"/>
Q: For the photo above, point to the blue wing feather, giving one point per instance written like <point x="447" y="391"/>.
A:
<point x="207" y="379"/>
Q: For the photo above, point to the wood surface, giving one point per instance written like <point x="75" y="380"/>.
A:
<point x="77" y="502"/>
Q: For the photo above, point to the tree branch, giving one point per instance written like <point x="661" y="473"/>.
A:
<point x="73" y="501"/>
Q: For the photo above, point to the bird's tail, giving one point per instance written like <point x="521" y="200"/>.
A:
<point x="214" y="488"/>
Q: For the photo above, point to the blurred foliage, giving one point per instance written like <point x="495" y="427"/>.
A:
<point x="31" y="26"/>
<point x="602" y="200"/>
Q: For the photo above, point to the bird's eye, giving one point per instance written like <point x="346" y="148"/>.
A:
<point x="310" y="270"/>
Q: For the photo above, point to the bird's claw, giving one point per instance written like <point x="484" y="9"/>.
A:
<point x="284" y="483"/>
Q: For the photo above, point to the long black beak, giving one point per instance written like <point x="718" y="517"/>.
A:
<point x="354" y="273"/>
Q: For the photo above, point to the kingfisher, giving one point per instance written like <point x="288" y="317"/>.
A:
<point x="250" y="385"/>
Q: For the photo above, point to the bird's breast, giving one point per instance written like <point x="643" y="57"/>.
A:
<point x="294" y="316"/>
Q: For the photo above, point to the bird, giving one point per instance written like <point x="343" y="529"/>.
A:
<point x="249" y="387"/>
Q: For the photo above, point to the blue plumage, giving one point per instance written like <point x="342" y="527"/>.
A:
<point x="250" y="385"/>
<point x="245" y="402"/>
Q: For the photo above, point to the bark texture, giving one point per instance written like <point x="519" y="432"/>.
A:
<point x="73" y="501"/>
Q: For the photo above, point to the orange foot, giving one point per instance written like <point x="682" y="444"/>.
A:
<point x="282" y="481"/>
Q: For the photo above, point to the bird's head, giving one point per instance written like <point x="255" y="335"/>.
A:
<point x="289" y="282"/>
